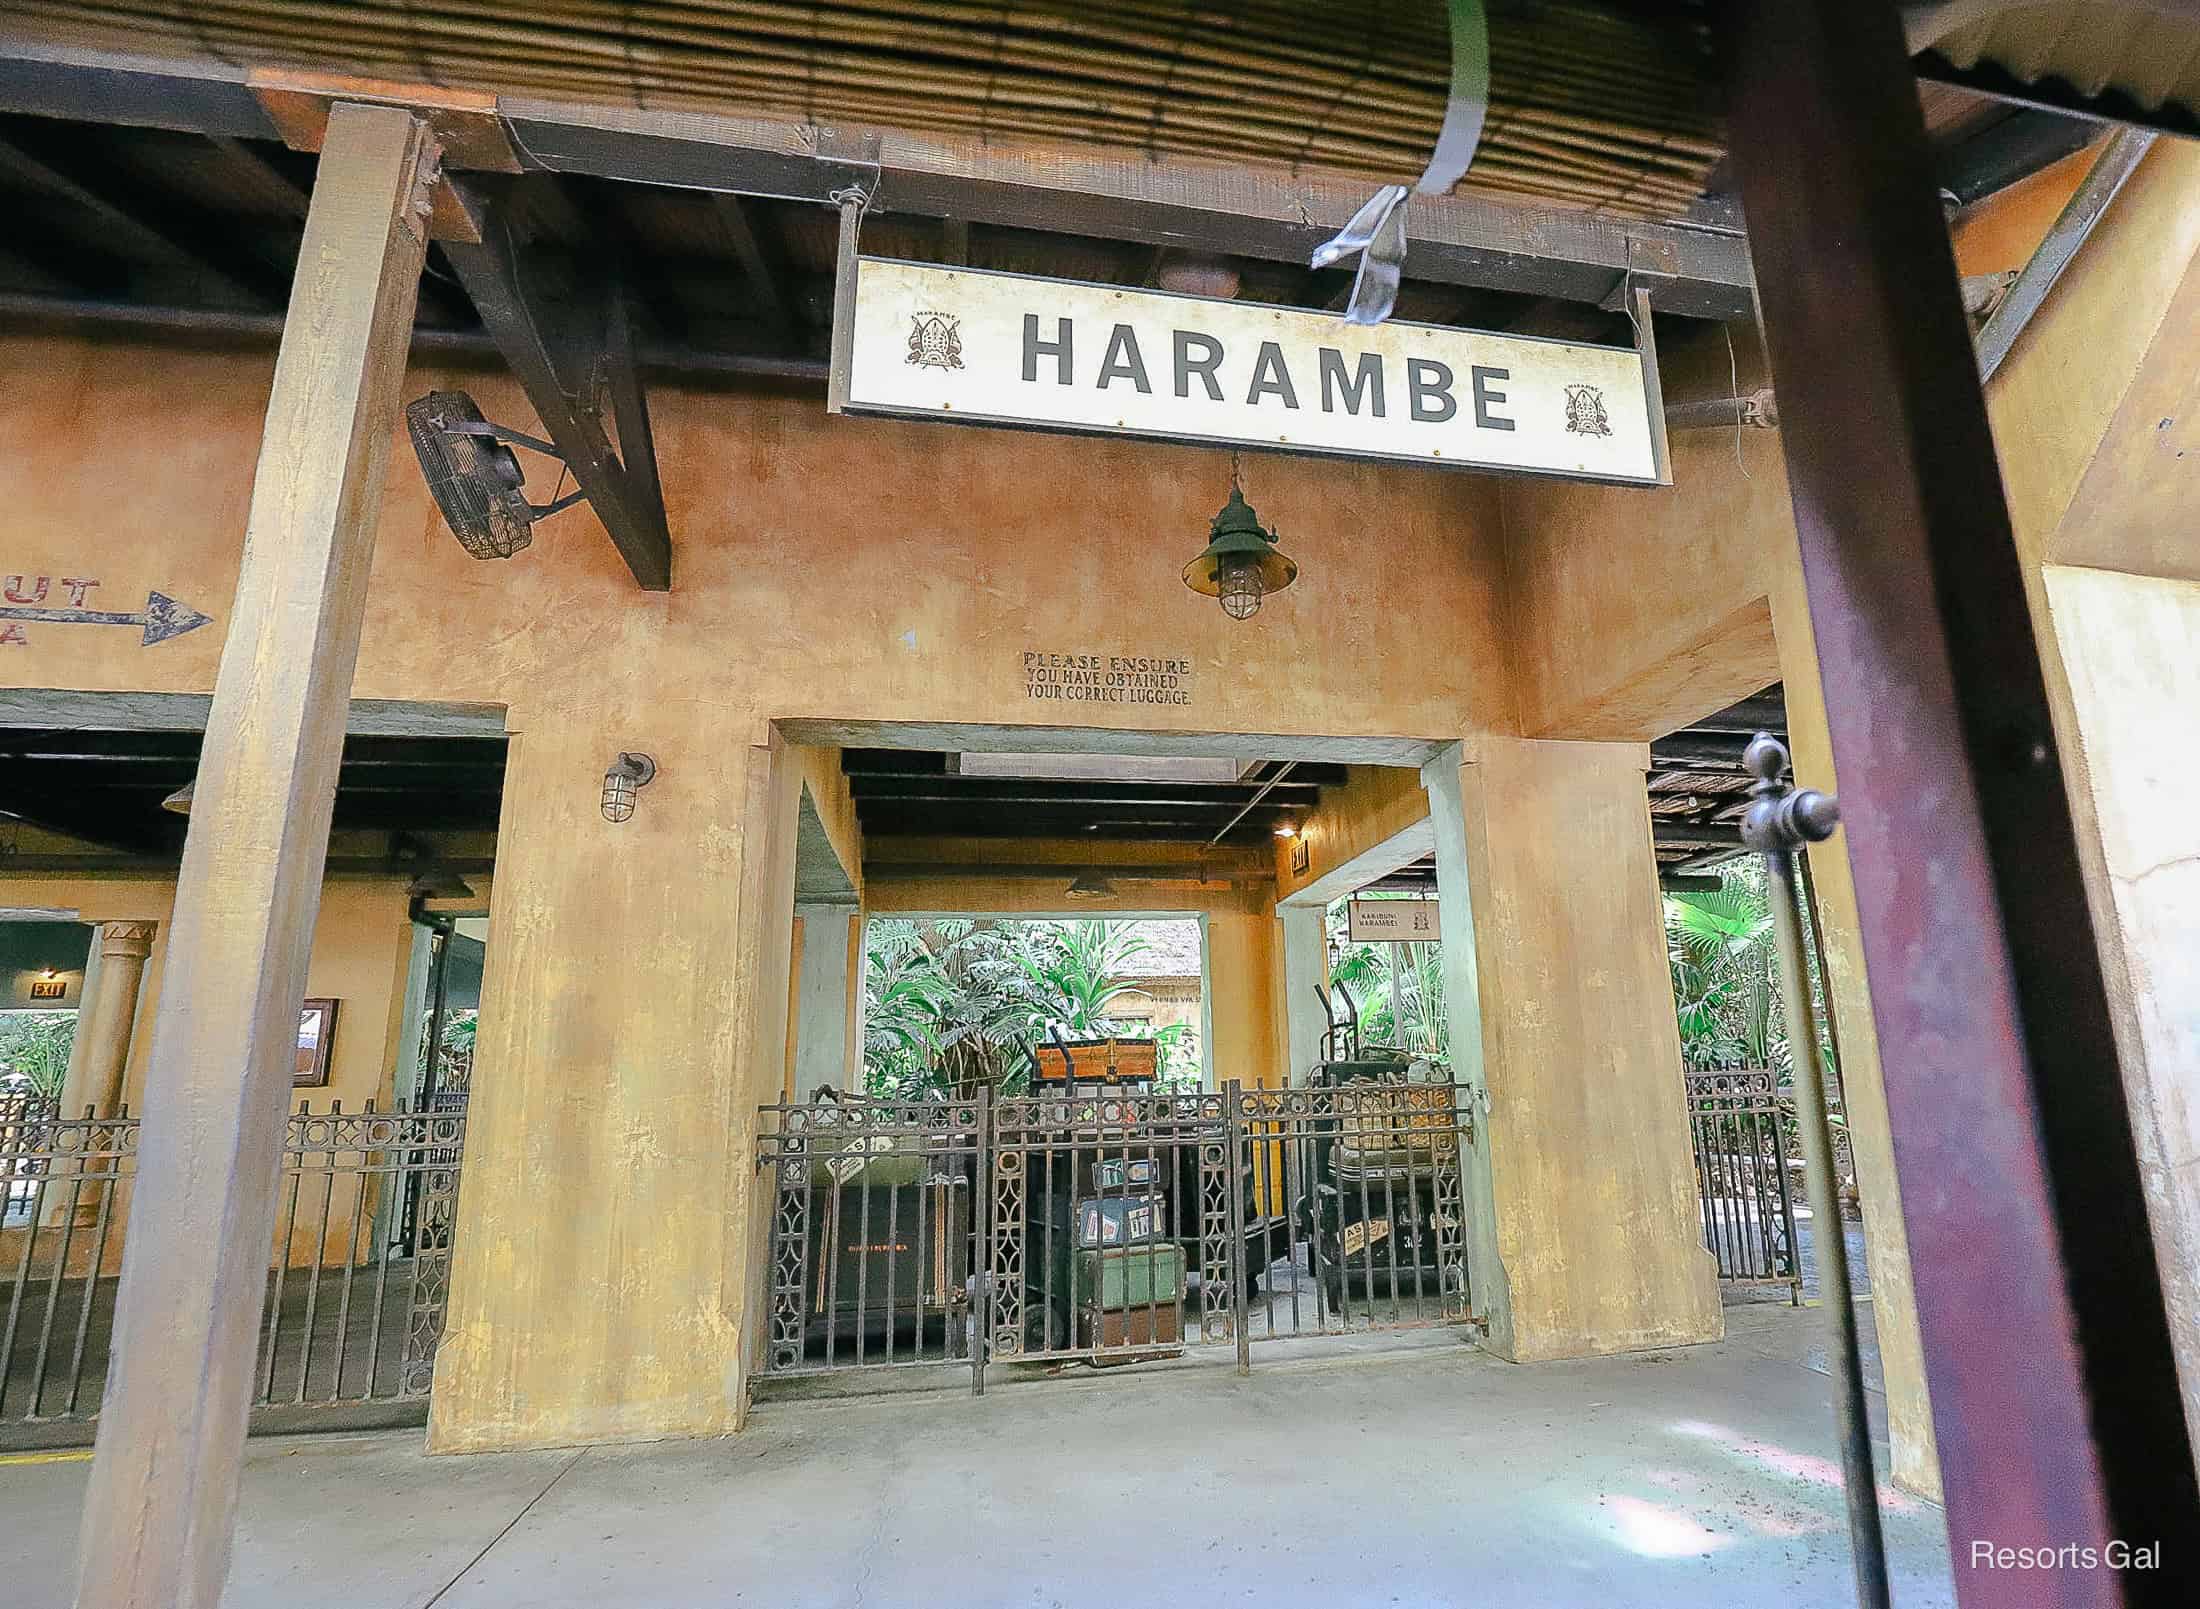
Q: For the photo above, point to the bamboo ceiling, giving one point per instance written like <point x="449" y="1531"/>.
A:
<point x="1592" y="106"/>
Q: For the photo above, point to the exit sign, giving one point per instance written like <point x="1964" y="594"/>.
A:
<point x="49" y="988"/>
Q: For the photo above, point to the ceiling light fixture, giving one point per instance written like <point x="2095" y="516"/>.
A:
<point x="1240" y="565"/>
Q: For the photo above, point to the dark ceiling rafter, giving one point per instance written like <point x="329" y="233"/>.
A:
<point x="1698" y="790"/>
<point x="761" y="266"/>
<point x="273" y="184"/>
<point x="922" y="793"/>
<point x="110" y="824"/>
<point x="1016" y="791"/>
<point x="564" y="326"/>
<point x="2007" y="148"/>
<point x="106" y="787"/>
<point x="1471" y="241"/>
<point x="144" y="223"/>
<point x="738" y="297"/>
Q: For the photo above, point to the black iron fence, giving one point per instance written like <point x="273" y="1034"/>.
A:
<point x="17" y="1113"/>
<point x="1108" y="1224"/>
<point x="357" y="1272"/>
<point x="1738" y="1122"/>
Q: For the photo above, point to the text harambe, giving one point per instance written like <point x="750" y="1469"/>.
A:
<point x="1194" y="356"/>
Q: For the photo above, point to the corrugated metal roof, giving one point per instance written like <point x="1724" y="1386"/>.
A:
<point x="2133" y="48"/>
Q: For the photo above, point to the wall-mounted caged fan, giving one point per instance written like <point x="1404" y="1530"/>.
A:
<point x="475" y="477"/>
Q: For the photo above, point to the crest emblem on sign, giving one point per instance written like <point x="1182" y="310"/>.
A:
<point x="1585" y="414"/>
<point x="935" y="341"/>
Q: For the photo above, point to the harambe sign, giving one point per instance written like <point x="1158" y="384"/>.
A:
<point x="1003" y="349"/>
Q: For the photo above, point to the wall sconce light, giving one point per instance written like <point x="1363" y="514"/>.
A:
<point x="629" y="774"/>
<point x="1092" y="886"/>
<point x="180" y="800"/>
<point x="1240" y="564"/>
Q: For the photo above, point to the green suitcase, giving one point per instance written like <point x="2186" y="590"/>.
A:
<point x="1111" y="1278"/>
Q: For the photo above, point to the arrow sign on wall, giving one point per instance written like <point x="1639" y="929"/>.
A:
<point x="162" y="617"/>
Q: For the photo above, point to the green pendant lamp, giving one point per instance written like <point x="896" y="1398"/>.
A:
<point x="1240" y="565"/>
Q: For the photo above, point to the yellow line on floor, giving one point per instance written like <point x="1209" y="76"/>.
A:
<point x="68" y="1455"/>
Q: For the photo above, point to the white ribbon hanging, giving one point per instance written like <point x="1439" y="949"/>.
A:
<point x="1378" y="230"/>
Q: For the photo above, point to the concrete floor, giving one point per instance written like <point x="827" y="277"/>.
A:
<point x="1420" y="1474"/>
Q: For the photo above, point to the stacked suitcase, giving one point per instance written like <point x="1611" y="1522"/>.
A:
<point x="1126" y="1270"/>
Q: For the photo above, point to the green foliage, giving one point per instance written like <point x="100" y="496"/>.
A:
<point x="455" y="1054"/>
<point x="1076" y="973"/>
<point x="953" y="1004"/>
<point x="34" y="1050"/>
<point x="1726" y="977"/>
<point x="1721" y="949"/>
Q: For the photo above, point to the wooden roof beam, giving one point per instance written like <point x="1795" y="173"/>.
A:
<point x="1479" y="241"/>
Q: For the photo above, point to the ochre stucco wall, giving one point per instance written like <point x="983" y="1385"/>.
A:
<point x="600" y="1291"/>
<point x="1999" y="235"/>
<point x="831" y="567"/>
<point x="1605" y="655"/>
<point x="1636" y="611"/>
<point x="635" y="997"/>
<point x="835" y="568"/>
<point x="1376" y="803"/>
<point x="361" y="944"/>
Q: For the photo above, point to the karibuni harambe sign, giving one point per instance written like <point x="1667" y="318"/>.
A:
<point x="955" y="343"/>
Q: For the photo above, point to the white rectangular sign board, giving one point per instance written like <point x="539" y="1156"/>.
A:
<point x="1392" y="921"/>
<point x="955" y="343"/>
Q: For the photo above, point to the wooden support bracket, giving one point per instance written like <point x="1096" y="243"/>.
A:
<point x="564" y="326"/>
<point x="465" y="124"/>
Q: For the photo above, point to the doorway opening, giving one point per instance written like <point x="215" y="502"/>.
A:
<point x="1081" y="1123"/>
<point x="351" y="1312"/>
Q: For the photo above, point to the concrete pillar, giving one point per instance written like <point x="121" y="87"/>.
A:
<point x="106" y="1022"/>
<point x="1241" y="1015"/>
<point x="824" y="979"/>
<point x="1581" y="1190"/>
<point x="1916" y="1465"/>
<point x="2129" y="687"/>
<point x="412" y="1022"/>
<point x="633" y="1017"/>
<point x="2097" y="417"/>
<point x="1305" y="967"/>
